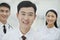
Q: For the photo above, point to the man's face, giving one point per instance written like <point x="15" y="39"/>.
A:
<point x="4" y="13"/>
<point x="26" y="16"/>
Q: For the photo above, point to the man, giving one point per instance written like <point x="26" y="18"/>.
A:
<point x="4" y="14"/>
<point x="26" y="14"/>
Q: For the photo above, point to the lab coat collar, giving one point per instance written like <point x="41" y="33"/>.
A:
<point x="29" y="32"/>
<point x="1" y="24"/>
<point x="50" y="30"/>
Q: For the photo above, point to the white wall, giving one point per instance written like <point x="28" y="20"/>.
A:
<point x="42" y="5"/>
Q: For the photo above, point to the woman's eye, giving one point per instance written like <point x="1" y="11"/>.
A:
<point x="52" y="16"/>
<point x="48" y="16"/>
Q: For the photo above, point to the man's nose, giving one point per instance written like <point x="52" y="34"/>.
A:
<point x="4" y="13"/>
<point x="26" y="18"/>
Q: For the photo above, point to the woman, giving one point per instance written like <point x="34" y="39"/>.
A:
<point x="52" y="32"/>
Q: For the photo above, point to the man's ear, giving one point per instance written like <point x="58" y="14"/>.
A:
<point x="35" y="17"/>
<point x="9" y="13"/>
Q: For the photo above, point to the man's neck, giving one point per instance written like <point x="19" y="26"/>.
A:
<point x="3" y="22"/>
<point x="24" y="30"/>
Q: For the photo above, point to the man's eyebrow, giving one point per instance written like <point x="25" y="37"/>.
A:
<point x="31" y="12"/>
<point x="22" y="11"/>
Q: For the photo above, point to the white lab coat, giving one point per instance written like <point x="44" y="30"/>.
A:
<point x="8" y="28"/>
<point x="49" y="34"/>
<point x="16" y="35"/>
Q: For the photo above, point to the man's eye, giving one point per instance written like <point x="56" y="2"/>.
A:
<point x="23" y="14"/>
<point x="30" y="14"/>
<point x="1" y="10"/>
<point x="7" y="11"/>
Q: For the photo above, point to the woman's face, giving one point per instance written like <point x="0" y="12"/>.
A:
<point x="50" y="18"/>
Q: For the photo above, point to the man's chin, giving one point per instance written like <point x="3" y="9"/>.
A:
<point x="25" y="25"/>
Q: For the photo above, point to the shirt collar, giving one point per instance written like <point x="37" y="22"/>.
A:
<point x="1" y="24"/>
<point x="50" y="29"/>
<point x="29" y="32"/>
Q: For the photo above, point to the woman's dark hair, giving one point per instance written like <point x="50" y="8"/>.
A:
<point x="55" y="23"/>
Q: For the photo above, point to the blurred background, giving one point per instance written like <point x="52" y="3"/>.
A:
<point x="42" y="7"/>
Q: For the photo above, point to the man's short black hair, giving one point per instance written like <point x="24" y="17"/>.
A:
<point x="26" y="4"/>
<point x="5" y="5"/>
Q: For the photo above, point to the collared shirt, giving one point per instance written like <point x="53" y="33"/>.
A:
<point x="8" y="28"/>
<point x="49" y="34"/>
<point x="16" y="35"/>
